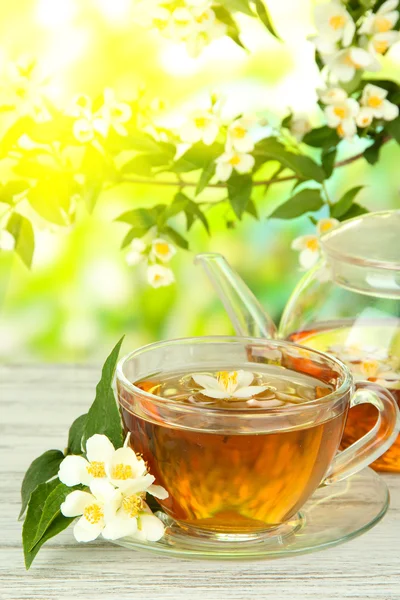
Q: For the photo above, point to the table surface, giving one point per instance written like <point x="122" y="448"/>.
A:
<point x="38" y="403"/>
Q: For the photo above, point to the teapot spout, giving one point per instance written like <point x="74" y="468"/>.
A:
<point x="244" y="310"/>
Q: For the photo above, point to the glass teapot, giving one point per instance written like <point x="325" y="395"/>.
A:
<point x="348" y="306"/>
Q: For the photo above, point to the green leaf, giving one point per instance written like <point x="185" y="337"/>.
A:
<point x="51" y="510"/>
<point x="197" y="157"/>
<point x="140" y="218"/>
<point x="10" y="138"/>
<point x="303" y="166"/>
<point x="176" y="237"/>
<point x="321" y="137"/>
<point x="11" y="189"/>
<point x="302" y="202"/>
<point x="103" y="416"/>
<point x="239" y="192"/>
<point x="96" y="169"/>
<point x="193" y="212"/>
<point x="344" y="204"/>
<point x="75" y="435"/>
<point x="242" y="6"/>
<point x="356" y="210"/>
<point x="328" y="158"/>
<point x="393" y="128"/>
<point x="51" y="198"/>
<point x="224" y="16"/>
<point x="371" y="154"/>
<point x="206" y="175"/>
<point x="22" y="231"/>
<point x="264" y="16"/>
<point x="251" y="209"/>
<point x="139" y="165"/>
<point x="179" y="204"/>
<point x="32" y="519"/>
<point x="41" y="470"/>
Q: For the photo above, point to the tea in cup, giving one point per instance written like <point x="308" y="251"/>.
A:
<point x="242" y="431"/>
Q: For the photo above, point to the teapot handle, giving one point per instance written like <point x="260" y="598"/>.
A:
<point x="374" y="443"/>
<point x="247" y="315"/>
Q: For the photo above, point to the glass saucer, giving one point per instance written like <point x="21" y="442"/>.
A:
<point x="333" y="515"/>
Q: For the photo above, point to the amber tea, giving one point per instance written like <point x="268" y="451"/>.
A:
<point x="226" y="481"/>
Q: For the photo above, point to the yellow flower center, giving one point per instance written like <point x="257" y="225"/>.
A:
<point x="365" y="120"/>
<point x="239" y="132"/>
<point x="96" y="469"/>
<point x="93" y="513"/>
<point x="312" y="244"/>
<point x="348" y="60"/>
<point x="122" y="471"/>
<point x="160" y="23"/>
<point x="340" y="112"/>
<point x="132" y="505"/>
<point x="382" y="24"/>
<point x="337" y="22"/>
<point x="374" y="101"/>
<point x="181" y="22"/>
<point x="370" y="368"/>
<point x="162" y="248"/>
<point x="227" y="379"/>
<point x="235" y="160"/>
<point x="201" y="122"/>
<point x="202" y="17"/>
<point x="157" y="277"/>
<point x="340" y="130"/>
<point x="326" y="226"/>
<point x="381" y="46"/>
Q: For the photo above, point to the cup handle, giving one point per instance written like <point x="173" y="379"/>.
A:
<point x="374" y="443"/>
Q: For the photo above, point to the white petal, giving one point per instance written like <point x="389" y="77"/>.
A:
<point x="265" y="403"/>
<point x="248" y="392"/>
<point x="122" y="525"/>
<point x="206" y="381"/>
<point x="332" y="118"/>
<point x="364" y="117"/>
<point x="390" y="111"/>
<point x="190" y="133"/>
<point x="223" y="171"/>
<point x="157" y="491"/>
<point x="210" y="133"/>
<point x="343" y="72"/>
<point x="73" y="470"/>
<point x="127" y="457"/>
<point x="301" y="242"/>
<point x="83" y="130"/>
<point x="103" y="490"/>
<point x="244" y="144"/>
<point x="308" y="258"/>
<point x="246" y="163"/>
<point x="214" y="393"/>
<point x="325" y="225"/>
<point x="99" y="448"/>
<point x="87" y="532"/>
<point x="75" y="503"/>
<point x="348" y="33"/>
<point x="135" y="486"/>
<point x="101" y="126"/>
<point x="120" y="129"/>
<point x="150" y="528"/>
<point x="387" y="6"/>
<point x="244" y="378"/>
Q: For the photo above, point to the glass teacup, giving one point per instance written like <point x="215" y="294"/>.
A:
<point x="242" y="431"/>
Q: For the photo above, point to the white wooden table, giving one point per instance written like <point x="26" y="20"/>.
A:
<point x="37" y="405"/>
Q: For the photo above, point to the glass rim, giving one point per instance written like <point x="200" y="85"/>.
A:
<point x="361" y="262"/>
<point x="338" y="393"/>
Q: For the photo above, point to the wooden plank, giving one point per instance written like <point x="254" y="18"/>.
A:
<point x="37" y="405"/>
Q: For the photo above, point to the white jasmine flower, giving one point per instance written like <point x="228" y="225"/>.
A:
<point x="374" y="99"/>
<point x="162" y="250"/>
<point x="381" y="42"/>
<point x="76" y="469"/>
<point x="126" y="470"/>
<point x="345" y="63"/>
<point x="299" y="126"/>
<point x="7" y="241"/>
<point x="231" y="160"/>
<point x="199" y="39"/>
<point x="136" y="252"/>
<point x="334" y="95"/>
<point x="376" y="371"/>
<point x="81" y="106"/>
<point x="132" y="517"/>
<point x="309" y="245"/>
<point x="202" y="125"/>
<point x="91" y="508"/>
<point x="115" y="113"/>
<point x="341" y="116"/>
<point x="159" y="276"/>
<point x="239" y="138"/>
<point x="364" y="117"/>
<point x="383" y="20"/>
<point x="334" y="23"/>
<point x="233" y="384"/>
<point x="182" y="23"/>
<point x="325" y="46"/>
<point x="86" y="128"/>
<point x="356" y="353"/>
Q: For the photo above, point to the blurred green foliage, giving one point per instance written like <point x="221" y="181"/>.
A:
<point x="81" y="296"/>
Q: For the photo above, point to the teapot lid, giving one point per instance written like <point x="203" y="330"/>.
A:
<point x="364" y="253"/>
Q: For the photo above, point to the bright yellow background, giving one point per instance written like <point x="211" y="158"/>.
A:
<point x="80" y="296"/>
